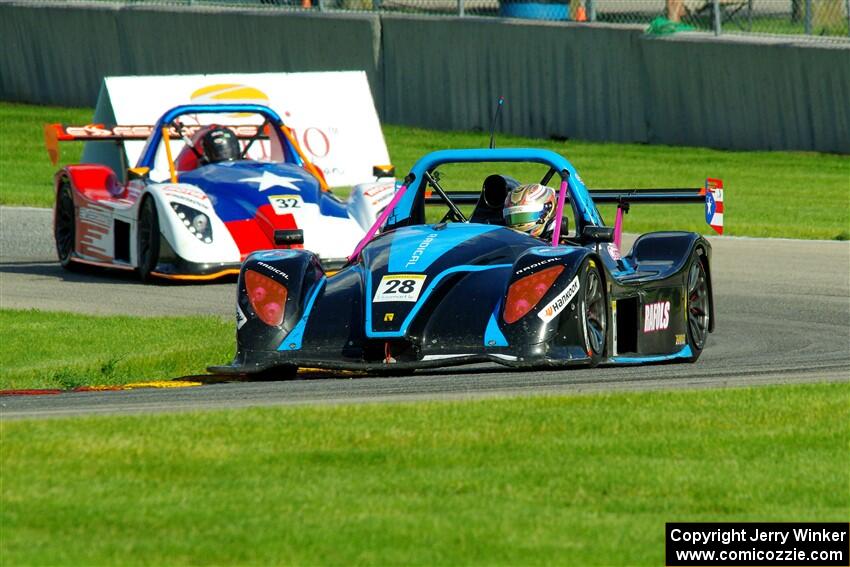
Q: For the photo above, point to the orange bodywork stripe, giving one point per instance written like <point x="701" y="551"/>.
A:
<point x="189" y="277"/>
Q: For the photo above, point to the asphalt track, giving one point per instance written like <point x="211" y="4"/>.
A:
<point x="783" y="315"/>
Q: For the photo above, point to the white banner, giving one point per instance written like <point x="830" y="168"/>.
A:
<point x="333" y="114"/>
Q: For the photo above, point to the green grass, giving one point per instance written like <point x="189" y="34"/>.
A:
<point x="62" y="350"/>
<point x="835" y="26"/>
<point x="26" y="174"/>
<point x="578" y="480"/>
<point x="771" y="194"/>
<point x="774" y="194"/>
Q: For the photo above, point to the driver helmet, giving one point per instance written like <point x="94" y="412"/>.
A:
<point x="529" y="208"/>
<point x="220" y="144"/>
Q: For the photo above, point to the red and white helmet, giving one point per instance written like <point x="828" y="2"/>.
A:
<point x="529" y="208"/>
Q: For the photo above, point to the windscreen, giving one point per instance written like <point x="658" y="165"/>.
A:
<point x="257" y="141"/>
<point x="488" y="183"/>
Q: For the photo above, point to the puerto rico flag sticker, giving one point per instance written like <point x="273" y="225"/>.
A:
<point x="714" y="204"/>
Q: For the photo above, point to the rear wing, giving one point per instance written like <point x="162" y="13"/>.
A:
<point x="602" y="196"/>
<point x="711" y="194"/>
<point x="651" y="196"/>
<point x="55" y="133"/>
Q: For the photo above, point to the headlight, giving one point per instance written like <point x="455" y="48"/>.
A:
<point x="195" y="221"/>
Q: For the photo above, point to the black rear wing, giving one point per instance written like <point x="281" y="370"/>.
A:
<point x="603" y="196"/>
<point x="458" y="198"/>
<point x="711" y="195"/>
<point x="651" y="196"/>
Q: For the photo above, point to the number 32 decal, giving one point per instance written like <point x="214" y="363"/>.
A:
<point x="284" y="204"/>
<point x="399" y="287"/>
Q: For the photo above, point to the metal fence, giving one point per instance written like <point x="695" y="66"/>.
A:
<point x="827" y="19"/>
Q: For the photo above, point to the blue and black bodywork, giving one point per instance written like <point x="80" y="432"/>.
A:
<point x="467" y="290"/>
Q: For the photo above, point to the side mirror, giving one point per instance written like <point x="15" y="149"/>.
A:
<point x="380" y="171"/>
<point x="138" y="172"/>
<point x="598" y="234"/>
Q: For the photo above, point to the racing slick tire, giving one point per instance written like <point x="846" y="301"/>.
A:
<point x="698" y="305"/>
<point x="594" y="311"/>
<point x="65" y="227"/>
<point x="148" y="239"/>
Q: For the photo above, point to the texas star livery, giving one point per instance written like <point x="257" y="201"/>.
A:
<point x="197" y="213"/>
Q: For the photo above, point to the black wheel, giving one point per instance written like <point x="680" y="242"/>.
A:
<point x="64" y="226"/>
<point x="148" y="239"/>
<point x="699" y="307"/>
<point x="594" y="308"/>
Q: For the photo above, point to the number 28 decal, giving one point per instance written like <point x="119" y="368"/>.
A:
<point x="285" y="204"/>
<point x="399" y="287"/>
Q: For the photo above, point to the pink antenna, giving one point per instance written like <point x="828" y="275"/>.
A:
<point x="559" y="213"/>
<point x="618" y="227"/>
<point x="382" y="218"/>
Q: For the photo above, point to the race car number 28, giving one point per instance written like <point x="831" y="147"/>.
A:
<point x="399" y="287"/>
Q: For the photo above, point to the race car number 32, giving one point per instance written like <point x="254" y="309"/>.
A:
<point x="399" y="287"/>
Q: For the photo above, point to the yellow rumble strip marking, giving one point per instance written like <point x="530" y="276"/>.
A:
<point x="162" y="384"/>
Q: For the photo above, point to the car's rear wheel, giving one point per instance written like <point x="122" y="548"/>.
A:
<point x="148" y="239"/>
<point x="64" y="226"/>
<point x="699" y="307"/>
<point x="594" y="309"/>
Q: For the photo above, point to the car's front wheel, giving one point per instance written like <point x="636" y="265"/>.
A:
<point x="594" y="309"/>
<point x="148" y="239"/>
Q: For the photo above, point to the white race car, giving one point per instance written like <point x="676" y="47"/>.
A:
<point x="196" y="212"/>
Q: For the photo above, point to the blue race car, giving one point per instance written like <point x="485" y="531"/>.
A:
<point x="421" y="294"/>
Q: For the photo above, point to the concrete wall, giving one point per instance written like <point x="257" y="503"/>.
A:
<point x="746" y="95"/>
<point x="560" y="79"/>
<point x="60" y="53"/>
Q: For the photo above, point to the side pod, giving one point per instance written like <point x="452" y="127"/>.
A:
<point x="674" y="248"/>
